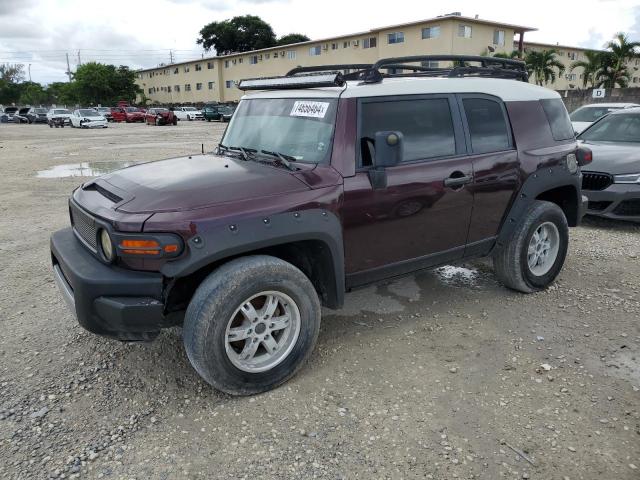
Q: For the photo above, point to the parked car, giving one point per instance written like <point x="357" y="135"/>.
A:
<point x="10" y="113"/>
<point x="243" y="246"/>
<point x="587" y="114"/>
<point x="612" y="182"/>
<point x="188" y="113"/>
<point x="87" y="118"/>
<point x="37" y="115"/>
<point x="57" y="113"/>
<point x="127" y="114"/>
<point x="105" y="112"/>
<point x="160" y="116"/>
<point x="21" y="115"/>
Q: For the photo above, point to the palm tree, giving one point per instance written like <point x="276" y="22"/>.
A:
<point x="613" y="70"/>
<point x="543" y="65"/>
<point x="590" y="67"/>
<point x="512" y="54"/>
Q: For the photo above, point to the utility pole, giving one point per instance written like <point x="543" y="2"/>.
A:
<point x="68" y="67"/>
<point x="170" y="56"/>
<point x="29" y="72"/>
<point x="79" y="60"/>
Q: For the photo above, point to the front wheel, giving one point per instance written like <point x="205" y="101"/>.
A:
<point x="534" y="254"/>
<point x="251" y="325"/>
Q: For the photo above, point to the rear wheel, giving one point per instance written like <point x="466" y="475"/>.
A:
<point x="251" y="325"/>
<point x="535" y="253"/>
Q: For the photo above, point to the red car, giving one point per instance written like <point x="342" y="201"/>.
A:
<point x="127" y="114"/>
<point x="160" y="116"/>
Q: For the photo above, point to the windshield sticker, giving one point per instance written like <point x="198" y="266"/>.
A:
<point x="309" y="109"/>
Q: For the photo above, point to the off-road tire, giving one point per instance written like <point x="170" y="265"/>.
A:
<point x="213" y="305"/>
<point x="510" y="260"/>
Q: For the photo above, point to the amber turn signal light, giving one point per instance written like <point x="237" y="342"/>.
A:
<point x="158" y="245"/>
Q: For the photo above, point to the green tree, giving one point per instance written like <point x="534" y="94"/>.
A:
<point x="32" y="93"/>
<point x="95" y="83"/>
<point x="61" y="93"/>
<point x="543" y="65"/>
<point x="292" y="38"/>
<point x="240" y="34"/>
<point x="590" y="66"/>
<point x="512" y="54"/>
<point x="12" y="73"/>
<point x="613" y="70"/>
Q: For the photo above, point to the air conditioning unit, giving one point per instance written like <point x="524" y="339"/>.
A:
<point x="356" y="43"/>
<point x="325" y="46"/>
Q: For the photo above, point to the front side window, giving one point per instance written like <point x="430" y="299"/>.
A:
<point x="426" y="125"/>
<point x="395" y="37"/>
<point x="487" y="125"/>
<point x="558" y="118"/>
<point x="464" y="31"/>
<point x="621" y="127"/>
<point x="300" y="128"/>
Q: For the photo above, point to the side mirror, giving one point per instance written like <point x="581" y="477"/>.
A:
<point x="389" y="149"/>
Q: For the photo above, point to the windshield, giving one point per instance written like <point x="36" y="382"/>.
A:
<point x="614" y="128"/>
<point x="131" y="109"/>
<point x="103" y="109"/>
<point x="590" y="114"/>
<point x="189" y="109"/>
<point x="302" y="129"/>
<point x="62" y="111"/>
<point x="160" y="110"/>
<point x="88" y="113"/>
<point x="40" y="110"/>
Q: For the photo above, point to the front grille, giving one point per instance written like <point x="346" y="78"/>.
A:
<point x="597" y="206"/>
<point x="84" y="226"/>
<point x="596" y="180"/>
<point x="628" y="208"/>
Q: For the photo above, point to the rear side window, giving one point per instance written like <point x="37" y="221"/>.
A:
<point x="487" y="125"/>
<point x="426" y="125"/>
<point x="558" y="118"/>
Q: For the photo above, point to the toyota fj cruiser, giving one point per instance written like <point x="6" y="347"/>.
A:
<point x="326" y="179"/>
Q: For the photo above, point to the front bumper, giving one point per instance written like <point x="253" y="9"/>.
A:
<point x="107" y="300"/>
<point x="94" y="124"/>
<point x="618" y="201"/>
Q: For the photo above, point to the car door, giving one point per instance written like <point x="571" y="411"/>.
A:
<point x="421" y="217"/>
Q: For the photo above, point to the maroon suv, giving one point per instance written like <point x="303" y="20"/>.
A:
<point x="323" y="183"/>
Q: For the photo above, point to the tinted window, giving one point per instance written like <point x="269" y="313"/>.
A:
<point x="487" y="125"/>
<point x="558" y="118"/>
<point x="426" y="125"/>
<point x="590" y="114"/>
<point x="614" y="128"/>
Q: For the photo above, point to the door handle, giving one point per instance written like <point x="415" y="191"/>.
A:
<point x="457" y="181"/>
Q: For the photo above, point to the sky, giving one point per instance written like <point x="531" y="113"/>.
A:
<point x="141" y="33"/>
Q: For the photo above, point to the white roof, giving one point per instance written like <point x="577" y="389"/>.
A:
<point x="611" y="105"/>
<point x="507" y="90"/>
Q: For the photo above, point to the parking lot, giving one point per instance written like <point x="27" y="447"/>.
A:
<point x="445" y="374"/>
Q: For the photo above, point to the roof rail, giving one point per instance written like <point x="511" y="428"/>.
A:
<point x="333" y="76"/>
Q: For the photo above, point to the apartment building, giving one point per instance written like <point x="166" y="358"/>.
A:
<point x="214" y="78"/>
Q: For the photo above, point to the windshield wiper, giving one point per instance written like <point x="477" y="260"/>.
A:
<point x="284" y="158"/>
<point x="244" y="151"/>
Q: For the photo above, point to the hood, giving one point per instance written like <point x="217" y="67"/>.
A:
<point x="198" y="181"/>
<point x="614" y="158"/>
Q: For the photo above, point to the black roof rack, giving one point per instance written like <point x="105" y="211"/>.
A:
<point x="335" y="75"/>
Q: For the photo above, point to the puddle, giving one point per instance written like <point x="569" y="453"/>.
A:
<point x="83" y="169"/>
<point x="457" y="275"/>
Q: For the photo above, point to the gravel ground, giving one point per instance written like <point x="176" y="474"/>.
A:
<point x="441" y="375"/>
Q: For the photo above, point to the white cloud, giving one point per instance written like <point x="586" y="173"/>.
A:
<point x="140" y="33"/>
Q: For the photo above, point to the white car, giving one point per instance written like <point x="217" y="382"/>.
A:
<point x="587" y="114"/>
<point x="59" y="113"/>
<point x="188" y="113"/>
<point x="87" y="118"/>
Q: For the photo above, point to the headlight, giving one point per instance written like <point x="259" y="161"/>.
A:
<point x="107" y="246"/>
<point x="628" y="178"/>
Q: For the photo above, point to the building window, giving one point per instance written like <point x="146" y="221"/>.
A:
<point x="430" y="64"/>
<point x="334" y="46"/>
<point x="571" y="55"/>
<point x="240" y="60"/>
<point x="464" y="31"/>
<point x="253" y="59"/>
<point x="315" y="51"/>
<point x="151" y="90"/>
<point x="498" y="37"/>
<point x="430" y="32"/>
<point x="198" y="67"/>
<point x="570" y="76"/>
<point x="186" y="69"/>
<point x="635" y="79"/>
<point x="210" y="84"/>
<point x="228" y="83"/>
<point x="226" y="64"/>
<point x="175" y="71"/>
<point x="369" y="42"/>
<point x="267" y="56"/>
<point x="395" y="37"/>
<point x="176" y="88"/>
<point x="169" y="89"/>
<point x="291" y="54"/>
<point x="198" y="86"/>
<point x="346" y="44"/>
<point x="187" y="87"/>
<point x="209" y="65"/>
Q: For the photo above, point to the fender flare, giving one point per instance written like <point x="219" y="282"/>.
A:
<point x="543" y="180"/>
<point x="218" y="242"/>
